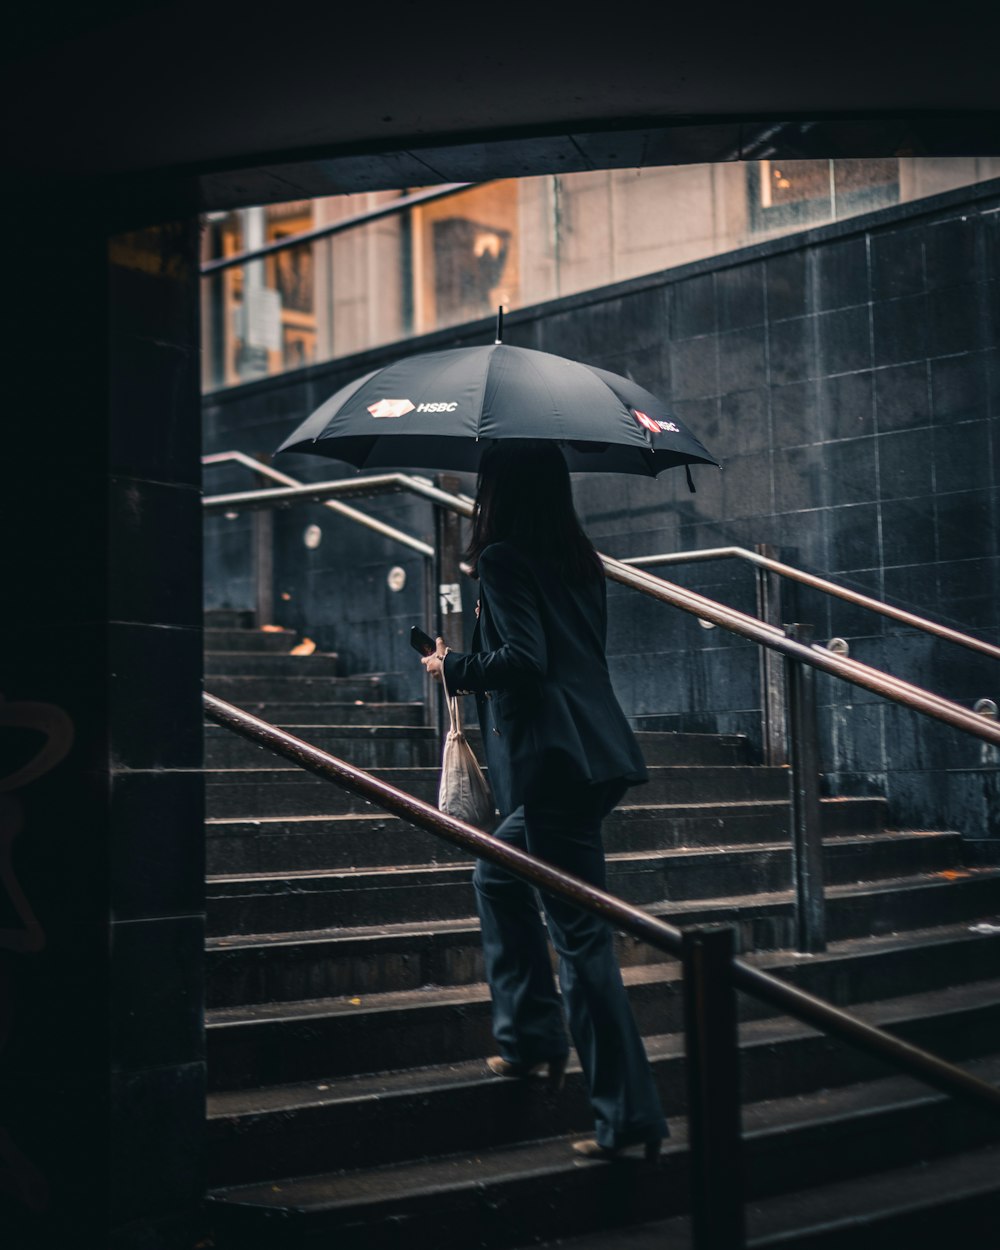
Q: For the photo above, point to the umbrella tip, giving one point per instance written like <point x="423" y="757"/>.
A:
<point x="499" y="337"/>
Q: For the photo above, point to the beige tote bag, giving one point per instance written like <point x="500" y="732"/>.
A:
<point x="464" y="792"/>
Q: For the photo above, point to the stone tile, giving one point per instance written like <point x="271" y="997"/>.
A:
<point x="742" y="359"/>
<point x="694" y="367"/>
<point x="966" y="525"/>
<point x="154" y="387"/>
<point x="901" y="330"/>
<point x="155" y="718"/>
<point x="786" y="283"/>
<point x="844" y="341"/>
<point x="853" y="538"/>
<point x="157" y="1164"/>
<point x="155" y="553"/>
<point x="798" y="478"/>
<point x="957" y="320"/>
<point x="739" y="292"/>
<point x="906" y="464"/>
<point x="953" y="251"/>
<point x="902" y="396"/>
<point x="156" y="844"/>
<point x="841" y="275"/>
<point x="960" y="387"/>
<point x="156" y="992"/>
<point x="897" y="260"/>
<point x="795" y="413"/>
<point x="850" y="471"/>
<point x="846" y="405"/>
<point x="961" y="454"/>
<point x="745" y="417"/>
<point x="692" y="307"/>
<point x="908" y="530"/>
<point x="791" y="350"/>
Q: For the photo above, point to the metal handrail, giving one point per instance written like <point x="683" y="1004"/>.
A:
<point x="389" y="209"/>
<point x="212" y="503"/>
<point x="665" y="937"/>
<point x="819" y="583"/>
<point x="770" y="636"/>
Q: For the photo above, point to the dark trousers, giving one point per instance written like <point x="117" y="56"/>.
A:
<point x="565" y="830"/>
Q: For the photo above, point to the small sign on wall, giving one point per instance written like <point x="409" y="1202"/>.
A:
<point x="450" y="598"/>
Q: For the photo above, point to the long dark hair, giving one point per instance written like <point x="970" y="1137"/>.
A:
<point x="523" y="497"/>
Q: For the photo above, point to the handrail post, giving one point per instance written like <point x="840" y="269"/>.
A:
<point x="807" y="830"/>
<point x="263" y="558"/>
<point x="448" y="576"/>
<point x="772" y="673"/>
<point x="713" y="1081"/>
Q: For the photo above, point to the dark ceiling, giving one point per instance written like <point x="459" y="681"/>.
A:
<point x="239" y="104"/>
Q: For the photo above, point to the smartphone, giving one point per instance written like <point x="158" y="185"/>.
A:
<point x="422" y="642"/>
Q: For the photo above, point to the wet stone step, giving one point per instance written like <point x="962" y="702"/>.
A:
<point x="373" y="746"/>
<point x="221" y="639"/>
<point x="278" y="1043"/>
<point x="244" y="691"/>
<point x="367" y="746"/>
<point x="355" y="1121"/>
<point x="539" y="1190"/>
<point x="259" y="663"/>
<point x="291" y="792"/>
<point x="314" y="711"/>
<point x="229" y="618"/>
<point x="370" y="840"/>
<point x="264" y="904"/>
<point x="281" y="966"/>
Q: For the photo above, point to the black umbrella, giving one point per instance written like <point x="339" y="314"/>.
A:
<point x="441" y="409"/>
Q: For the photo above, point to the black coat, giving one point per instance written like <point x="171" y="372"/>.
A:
<point x="547" y="709"/>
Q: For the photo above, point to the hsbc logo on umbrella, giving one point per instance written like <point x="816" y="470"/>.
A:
<point x="391" y="408"/>
<point x="654" y="426"/>
<point x="400" y="407"/>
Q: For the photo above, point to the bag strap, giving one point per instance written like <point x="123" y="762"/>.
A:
<point x="454" y="711"/>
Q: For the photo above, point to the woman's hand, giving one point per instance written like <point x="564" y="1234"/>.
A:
<point x="435" y="663"/>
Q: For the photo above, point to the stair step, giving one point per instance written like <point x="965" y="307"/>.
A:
<point x="272" y="843"/>
<point x="244" y="690"/>
<point x="924" y="1205"/>
<point x="307" y="712"/>
<point x="229" y="618"/>
<point x="258" y="663"/>
<point x="252" y="792"/>
<point x="333" y="962"/>
<point x="371" y="746"/>
<point x="276" y="1043"/>
<point x="367" y="746"/>
<point x="265" y="902"/>
<point x="519" y="1194"/>
<point x="351" y="1122"/>
<point x="221" y="638"/>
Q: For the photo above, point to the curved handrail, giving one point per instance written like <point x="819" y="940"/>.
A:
<point x="853" y="671"/>
<point x="819" y="583"/>
<point x="795" y="1002"/>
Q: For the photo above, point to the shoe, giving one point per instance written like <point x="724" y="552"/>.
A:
<point x="592" y="1149"/>
<point x="555" y="1069"/>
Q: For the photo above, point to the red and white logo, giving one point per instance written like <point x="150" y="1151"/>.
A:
<point x="391" y="408"/>
<point x="656" y="427"/>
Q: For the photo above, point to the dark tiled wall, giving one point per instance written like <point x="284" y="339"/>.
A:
<point x="849" y="379"/>
<point x="101" y="1053"/>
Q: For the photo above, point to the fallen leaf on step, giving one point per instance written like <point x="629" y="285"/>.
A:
<point x="305" y="647"/>
<point x="355" y="1002"/>
<point x="271" y="629"/>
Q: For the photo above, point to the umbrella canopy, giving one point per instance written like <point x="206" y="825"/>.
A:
<point x="441" y="409"/>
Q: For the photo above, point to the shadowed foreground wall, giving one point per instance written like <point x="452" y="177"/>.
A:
<point x="847" y="376"/>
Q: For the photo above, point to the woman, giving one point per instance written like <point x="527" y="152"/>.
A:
<point x="560" y="755"/>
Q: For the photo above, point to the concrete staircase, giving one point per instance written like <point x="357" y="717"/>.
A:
<point x="347" y="1019"/>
